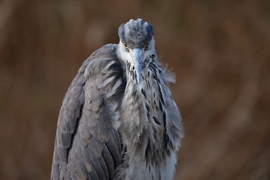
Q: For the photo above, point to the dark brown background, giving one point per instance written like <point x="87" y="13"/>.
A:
<point x="220" y="51"/>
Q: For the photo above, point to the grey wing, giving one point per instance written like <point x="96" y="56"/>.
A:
<point x="87" y="144"/>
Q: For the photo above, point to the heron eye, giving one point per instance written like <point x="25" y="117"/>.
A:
<point x="126" y="47"/>
<point x="146" y="46"/>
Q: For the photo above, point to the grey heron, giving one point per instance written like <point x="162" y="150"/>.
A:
<point x="118" y="119"/>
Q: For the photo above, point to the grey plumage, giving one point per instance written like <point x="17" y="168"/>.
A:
<point x="136" y="34"/>
<point x="118" y="119"/>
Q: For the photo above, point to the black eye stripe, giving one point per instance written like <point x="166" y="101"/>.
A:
<point x="146" y="46"/>
<point x="126" y="47"/>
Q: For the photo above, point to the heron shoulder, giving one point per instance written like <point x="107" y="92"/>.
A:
<point x="85" y="116"/>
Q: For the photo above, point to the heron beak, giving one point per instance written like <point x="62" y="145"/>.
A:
<point x="137" y="57"/>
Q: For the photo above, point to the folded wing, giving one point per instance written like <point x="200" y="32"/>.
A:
<point x="87" y="144"/>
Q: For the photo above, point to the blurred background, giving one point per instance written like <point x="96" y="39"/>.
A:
<point x="219" y="50"/>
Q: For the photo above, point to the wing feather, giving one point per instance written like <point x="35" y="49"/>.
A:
<point x="98" y="168"/>
<point x="108" y="160"/>
<point x="104" y="167"/>
<point x="94" y="175"/>
<point x="87" y="144"/>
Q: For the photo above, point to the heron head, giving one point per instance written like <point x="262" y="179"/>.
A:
<point x="136" y="43"/>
